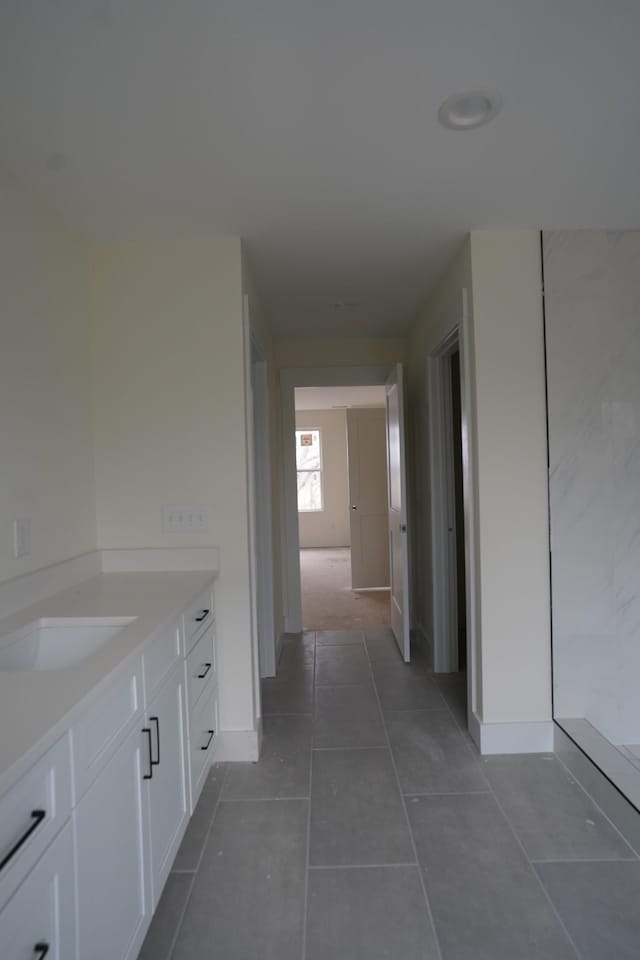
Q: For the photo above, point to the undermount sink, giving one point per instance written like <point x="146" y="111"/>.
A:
<point x="54" y="643"/>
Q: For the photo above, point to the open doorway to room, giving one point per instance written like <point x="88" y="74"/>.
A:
<point x="340" y="439"/>
<point x="451" y="553"/>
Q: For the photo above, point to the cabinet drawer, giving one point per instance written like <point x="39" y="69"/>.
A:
<point x="201" y="666"/>
<point x="203" y="728"/>
<point x="160" y="656"/>
<point x="39" y="920"/>
<point x="31" y="813"/>
<point x="198" y="616"/>
<point x="97" y="735"/>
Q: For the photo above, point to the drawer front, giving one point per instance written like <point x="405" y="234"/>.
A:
<point x="160" y="656"/>
<point x="39" y="920"/>
<point x="198" y="616"/>
<point x="203" y="728"/>
<point x="31" y="813"/>
<point x="97" y="735"/>
<point x="201" y="666"/>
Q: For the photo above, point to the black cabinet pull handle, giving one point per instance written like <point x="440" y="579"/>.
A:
<point x="205" y="671"/>
<point x="37" y="817"/>
<point x="41" y="949"/>
<point x="156" y="762"/>
<point x="203" y="616"/>
<point x="148" y="776"/>
<point x="206" y="746"/>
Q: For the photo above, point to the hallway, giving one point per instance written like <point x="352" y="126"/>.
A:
<point x="328" y="602"/>
<point x="371" y="828"/>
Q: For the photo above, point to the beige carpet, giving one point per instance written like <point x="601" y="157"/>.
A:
<point x="329" y="603"/>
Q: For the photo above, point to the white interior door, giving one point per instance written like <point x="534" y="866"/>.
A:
<point x="397" y="487"/>
<point x="366" y="445"/>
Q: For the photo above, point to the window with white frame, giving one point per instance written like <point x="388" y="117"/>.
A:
<point x="309" y="466"/>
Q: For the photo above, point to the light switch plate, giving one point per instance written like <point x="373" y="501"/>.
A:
<point x="21" y="537"/>
<point x="179" y="518"/>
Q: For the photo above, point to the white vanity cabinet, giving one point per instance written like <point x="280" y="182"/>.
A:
<point x="114" y="902"/>
<point x="89" y="834"/>
<point x="38" y="921"/>
<point x="37" y="918"/>
<point x="201" y="672"/>
<point x="166" y="786"/>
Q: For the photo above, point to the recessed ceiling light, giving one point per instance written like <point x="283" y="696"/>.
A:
<point x="56" y="162"/>
<point x="345" y="304"/>
<point x="464" y="111"/>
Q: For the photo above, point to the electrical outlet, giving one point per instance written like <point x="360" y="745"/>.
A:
<point x="21" y="537"/>
<point x="185" y="519"/>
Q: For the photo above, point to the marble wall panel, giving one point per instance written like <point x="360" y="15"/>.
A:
<point x="592" y="319"/>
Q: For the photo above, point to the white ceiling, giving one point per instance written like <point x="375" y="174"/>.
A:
<point x="309" y="128"/>
<point x="326" y="398"/>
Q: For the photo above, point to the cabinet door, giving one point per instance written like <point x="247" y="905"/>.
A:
<point x="38" y="921"/>
<point x="168" y="812"/>
<point x="113" y="888"/>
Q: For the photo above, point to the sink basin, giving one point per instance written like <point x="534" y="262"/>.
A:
<point x="55" y="643"/>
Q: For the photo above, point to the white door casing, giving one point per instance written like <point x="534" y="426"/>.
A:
<point x="457" y="327"/>
<point x="264" y="637"/>
<point x="290" y="378"/>
<point x="397" y="495"/>
<point x="368" y="500"/>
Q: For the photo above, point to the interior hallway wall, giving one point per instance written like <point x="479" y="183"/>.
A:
<point x="511" y="437"/>
<point x="328" y="527"/>
<point x="46" y="468"/>
<point x="501" y="272"/>
<point x="168" y="372"/>
<point x="359" y="352"/>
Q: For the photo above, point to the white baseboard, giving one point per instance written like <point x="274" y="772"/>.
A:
<point x="238" y="745"/>
<point x="424" y="640"/>
<point x="30" y="588"/>
<point x="155" y="559"/>
<point x="528" y="737"/>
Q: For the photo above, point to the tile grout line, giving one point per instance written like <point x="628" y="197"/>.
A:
<point x="261" y="799"/>
<point x="636" y="853"/>
<point x="533" y="870"/>
<point x="492" y="793"/>
<point x="194" y="874"/>
<point x="377" y="746"/>
<point x="361" y="866"/>
<point x="306" y="872"/>
<point x="584" y="860"/>
<point x="406" y="816"/>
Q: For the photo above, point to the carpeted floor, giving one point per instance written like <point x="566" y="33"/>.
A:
<point x="329" y="603"/>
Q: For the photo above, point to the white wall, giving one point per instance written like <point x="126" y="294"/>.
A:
<point x="340" y="353"/>
<point x="46" y="467"/>
<point x="512" y="476"/>
<point x="328" y="527"/>
<point x="168" y="369"/>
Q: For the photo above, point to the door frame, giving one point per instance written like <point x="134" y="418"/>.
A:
<point x="443" y="541"/>
<point x="260" y="501"/>
<point x="290" y="378"/>
<point x="440" y="442"/>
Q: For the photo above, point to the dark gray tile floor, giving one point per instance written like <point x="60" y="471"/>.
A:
<point x="371" y="828"/>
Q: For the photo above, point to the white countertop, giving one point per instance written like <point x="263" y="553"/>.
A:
<point x="36" y="707"/>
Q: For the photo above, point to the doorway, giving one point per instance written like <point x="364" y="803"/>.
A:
<point x="451" y="504"/>
<point x="340" y="440"/>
